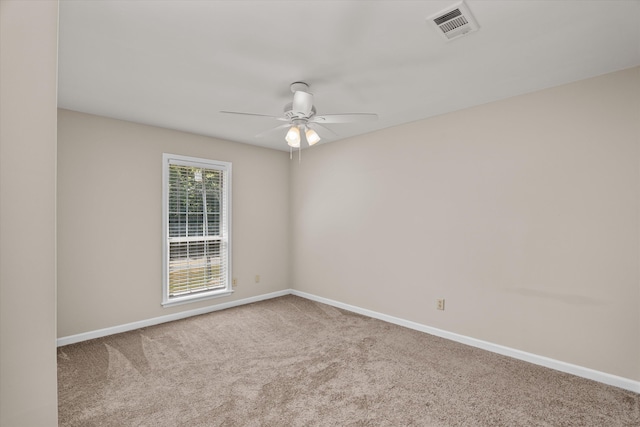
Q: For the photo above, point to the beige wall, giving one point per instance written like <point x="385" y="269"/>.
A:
<point x="109" y="219"/>
<point x="523" y="214"/>
<point x="28" y="61"/>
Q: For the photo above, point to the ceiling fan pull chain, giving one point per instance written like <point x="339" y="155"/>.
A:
<point x="290" y="153"/>
<point x="299" y="155"/>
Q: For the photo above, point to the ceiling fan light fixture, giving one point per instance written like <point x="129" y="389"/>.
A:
<point x="293" y="137"/>
<point x="312" y="136"/>
<point x="300" y="117"/>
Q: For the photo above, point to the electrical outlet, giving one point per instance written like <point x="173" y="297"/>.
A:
<point x="257" y="278"/>
<point x="440" y="304"/>
<point x="234" y="282"/>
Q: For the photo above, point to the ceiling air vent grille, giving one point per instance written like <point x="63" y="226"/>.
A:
<point x="454" y="22"/>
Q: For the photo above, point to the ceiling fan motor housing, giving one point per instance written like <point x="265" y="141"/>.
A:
<point x="291" y="115"/>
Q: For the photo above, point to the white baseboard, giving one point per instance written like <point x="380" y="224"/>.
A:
<point x="569" y="368"/>
<point x="163" y="319"/>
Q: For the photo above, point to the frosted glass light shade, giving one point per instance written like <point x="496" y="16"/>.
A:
<point x="293" y="137"/>
<point x="312" y="136"/>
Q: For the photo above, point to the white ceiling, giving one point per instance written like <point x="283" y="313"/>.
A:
<point x="176" y="64"/>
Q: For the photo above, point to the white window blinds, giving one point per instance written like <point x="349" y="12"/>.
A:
<point x="197" y="246"/>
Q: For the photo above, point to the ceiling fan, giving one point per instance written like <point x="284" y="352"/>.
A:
<point x="300" y="117"/>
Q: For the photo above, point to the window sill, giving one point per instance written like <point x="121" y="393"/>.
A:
<point x="195" y="298"/>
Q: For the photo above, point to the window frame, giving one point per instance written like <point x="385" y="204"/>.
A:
<point x="225" y="228"/>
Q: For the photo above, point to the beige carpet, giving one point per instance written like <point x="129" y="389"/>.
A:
<point x="294" y="362"/>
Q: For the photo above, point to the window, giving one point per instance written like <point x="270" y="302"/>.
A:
<point x="196" y="229"/>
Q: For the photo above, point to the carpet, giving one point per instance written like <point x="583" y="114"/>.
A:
<point x="290" y="361"/>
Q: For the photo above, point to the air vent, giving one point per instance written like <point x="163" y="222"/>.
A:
<point x="453" y="22"/>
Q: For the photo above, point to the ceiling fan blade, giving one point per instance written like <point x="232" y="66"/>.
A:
<point x="277" y="128"/>
<point x="302" y="102"/>
<point x="321" y="129"/>
<point x="254" y="114"/>
<point x="344" y="118"/>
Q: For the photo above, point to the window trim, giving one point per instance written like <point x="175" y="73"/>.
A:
<point x="168" y="159"/>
